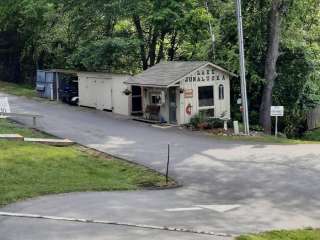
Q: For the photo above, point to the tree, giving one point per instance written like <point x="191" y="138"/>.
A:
<point x="270" y="73"/>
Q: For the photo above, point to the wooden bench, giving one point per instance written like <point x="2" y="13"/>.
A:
<point x="152" y="111"/>
<point x="5" y="111"/>
<point x="33" y="116"/>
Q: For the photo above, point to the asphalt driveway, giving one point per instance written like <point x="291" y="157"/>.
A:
<point x="265" y="186"/>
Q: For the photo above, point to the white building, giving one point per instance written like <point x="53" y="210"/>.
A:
<point x="103" y="91"/>
<point x="175" y="91"/>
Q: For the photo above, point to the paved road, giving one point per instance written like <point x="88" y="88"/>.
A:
<point x="275" y="186"/>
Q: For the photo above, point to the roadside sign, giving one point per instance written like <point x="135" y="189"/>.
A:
<point x="277" y="111"/>
<point x="4" y="105"/>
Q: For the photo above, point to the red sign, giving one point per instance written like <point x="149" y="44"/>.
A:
<point x="189" y="109"/>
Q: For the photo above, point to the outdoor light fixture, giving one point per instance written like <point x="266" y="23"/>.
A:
<point x="127" y="92"/>
<point x="181" y="90"/>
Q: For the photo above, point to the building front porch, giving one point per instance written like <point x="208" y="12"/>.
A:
<point x="155" y="104"/>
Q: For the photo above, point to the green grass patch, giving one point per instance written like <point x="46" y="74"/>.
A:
<point x="264" y="139"/>
<point x="9" y="127"/>
<point x="18" y="89"/>
<point x="306" y="234"/>
<point x="30" y="170"/>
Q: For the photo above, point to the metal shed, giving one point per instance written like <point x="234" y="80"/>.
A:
<point x="50" y="82"/>
<point x="103" y="91"/>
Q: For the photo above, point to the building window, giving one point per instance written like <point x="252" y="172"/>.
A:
<point x="155" y="99"/>
<point x="205" y="95"/>
<point x="221" y="92"/>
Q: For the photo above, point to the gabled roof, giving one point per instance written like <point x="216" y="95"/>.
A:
<point x="167" y="73"/>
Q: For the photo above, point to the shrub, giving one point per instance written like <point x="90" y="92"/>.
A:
<point x="196" y="120"/>
<point x="201" y="121"/>
<point x="313" y="135"/>
<point x="215" y="123"/>
<point x="294" y="123"/>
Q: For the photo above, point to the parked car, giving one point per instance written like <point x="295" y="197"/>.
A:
<point x="70" y="93"/>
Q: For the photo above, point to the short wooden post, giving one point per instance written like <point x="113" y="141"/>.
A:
<point x="34" y="120"/>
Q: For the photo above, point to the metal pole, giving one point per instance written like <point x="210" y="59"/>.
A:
<point x="211" y="33"/>
<point x="242" y="70"/>
<point x="168" y="162"/>
<point x="276" y="130"/>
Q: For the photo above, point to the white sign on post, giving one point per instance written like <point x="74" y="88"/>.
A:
<point x="277" y="111"/>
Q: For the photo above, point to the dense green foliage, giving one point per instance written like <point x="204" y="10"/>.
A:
<point x="131" y="35"/>
<point x="313" y="135"/>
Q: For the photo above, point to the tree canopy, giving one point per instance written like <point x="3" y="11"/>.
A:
<point x="282" y="43"/>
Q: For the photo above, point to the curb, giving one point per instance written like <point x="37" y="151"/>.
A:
<point x="106" y="222"/>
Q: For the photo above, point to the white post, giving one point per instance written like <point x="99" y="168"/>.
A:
<point x="242" y="70"/>
<point x="236" y="128"/>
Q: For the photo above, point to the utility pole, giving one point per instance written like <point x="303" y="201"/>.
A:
<point x="211" y="32"/>
<point x="242" y="71"/>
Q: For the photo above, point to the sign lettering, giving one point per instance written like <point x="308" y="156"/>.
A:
<point x="277" y="111"/>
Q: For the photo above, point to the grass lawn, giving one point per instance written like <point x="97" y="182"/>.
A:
<point x="29" y="170"/>
<point x="18" y="89"/>
<point x="307" y="234"/>
<point x="266" y="139"/>
<point x="8" y="127"/>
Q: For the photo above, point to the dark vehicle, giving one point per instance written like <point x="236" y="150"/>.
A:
<point x="69" y="92"/>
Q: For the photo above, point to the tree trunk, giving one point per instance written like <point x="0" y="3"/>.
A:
<point x="161" y="48"/>
<point x="270" y="73"/>
<point x="137" y="23"/>
<point x="172" y="50"/>
<point x="153" y="46"/>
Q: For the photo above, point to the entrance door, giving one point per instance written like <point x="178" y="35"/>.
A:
<point x="136" y="100"/>
<point x="172" y="105"/>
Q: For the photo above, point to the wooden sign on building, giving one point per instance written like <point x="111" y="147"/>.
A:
<point x="188" y="93"/>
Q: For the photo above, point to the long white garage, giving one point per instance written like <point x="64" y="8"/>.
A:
<point x="103" y="91"/>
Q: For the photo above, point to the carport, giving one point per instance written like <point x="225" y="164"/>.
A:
<point x="51" y="83"/>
